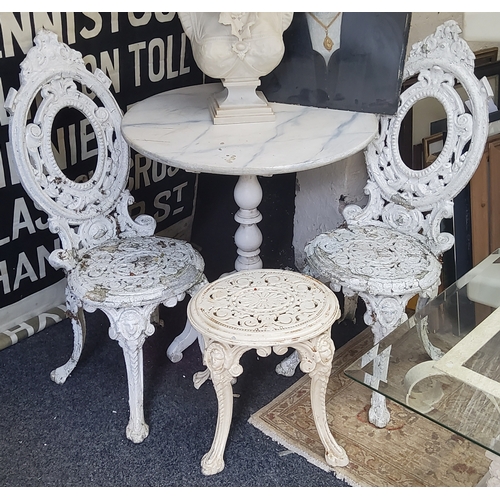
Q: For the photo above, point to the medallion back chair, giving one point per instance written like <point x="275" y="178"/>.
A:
<point x="111" y="262"/>
<point x="390" y="250"/>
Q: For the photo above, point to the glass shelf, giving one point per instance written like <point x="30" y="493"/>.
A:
<point x="444" y="361"/>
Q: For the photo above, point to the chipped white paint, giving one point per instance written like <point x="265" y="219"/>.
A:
<point x="320" y="197"/>
<point x="266" y="310"/>
<point x="112" y="262"/>
<point x="389" y="250"/>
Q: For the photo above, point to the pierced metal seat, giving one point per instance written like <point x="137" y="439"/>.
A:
<point x="267" y="310"/>
<point x="390" y="250"/>
<point x="111" y="262"/>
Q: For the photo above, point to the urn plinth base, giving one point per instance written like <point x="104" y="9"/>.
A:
<point x="239" y="102"/>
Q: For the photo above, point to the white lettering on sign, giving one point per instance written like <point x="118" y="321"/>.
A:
<point x="22" y="219"/>
<point x="4" y="119"/>
<point x="20" y="31"/>
<point x="165" y="207"/>
<point x="24" y="269"/>
<point x="2" y="173"/>
<point x="96" y="29"/>
<point x="143" y="167"/>
<point x="160" y="59"/>
<point x="108" y="65"/>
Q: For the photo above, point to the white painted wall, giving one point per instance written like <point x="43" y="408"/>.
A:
<point x="321" y="194"/>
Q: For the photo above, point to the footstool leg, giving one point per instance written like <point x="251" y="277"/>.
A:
<point x="316" y="360"/>
<point x="222" y="361"/>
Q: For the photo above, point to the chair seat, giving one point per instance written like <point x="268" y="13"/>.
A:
<point x="374" y="260"/>
<point x="135" y="271"/>
<point x="263" y="308"/>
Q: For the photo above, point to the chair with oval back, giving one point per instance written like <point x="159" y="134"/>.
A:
<point x="111" y="262"/>
<point x="390" y="250"/>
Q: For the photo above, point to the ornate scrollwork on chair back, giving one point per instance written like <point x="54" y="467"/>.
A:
<point x="415" y="201"/>
<point x="83" y="214"/>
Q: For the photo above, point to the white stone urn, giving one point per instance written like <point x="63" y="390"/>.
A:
<point x="238" y="48"/>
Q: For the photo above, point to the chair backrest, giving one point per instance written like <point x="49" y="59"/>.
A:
<point x="84" y="214"/>
<point x="416" y="201"/>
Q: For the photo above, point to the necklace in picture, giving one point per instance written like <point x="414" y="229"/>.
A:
<point x="327" y="42"/>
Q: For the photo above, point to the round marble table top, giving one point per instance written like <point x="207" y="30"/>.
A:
<point x="176" y="128"/>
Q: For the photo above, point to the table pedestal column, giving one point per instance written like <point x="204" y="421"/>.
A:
<point x="248" y="238"/>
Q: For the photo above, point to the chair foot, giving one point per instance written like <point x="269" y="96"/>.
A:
<point x="288" y="365"/>
<point x="75" y="312"/>
<point x="378" y="414"/>
<point x="211" y="465"/>
<point x="316" y="359"/>
<point x="334" y="460"/>
<point x="137" y="432"/>
<point x="59" y="375"/>
<point x="130" y="327"/>
<point x="187" y="337"/>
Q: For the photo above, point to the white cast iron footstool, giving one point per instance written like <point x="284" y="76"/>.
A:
<point x="264" y="310"/>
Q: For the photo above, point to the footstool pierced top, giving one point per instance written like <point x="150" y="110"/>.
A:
<point x="263" y="307"/>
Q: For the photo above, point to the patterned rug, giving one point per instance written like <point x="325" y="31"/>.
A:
<point x="410" y="451"/>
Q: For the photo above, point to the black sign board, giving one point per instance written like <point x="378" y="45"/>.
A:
<point x="361" y="72"/>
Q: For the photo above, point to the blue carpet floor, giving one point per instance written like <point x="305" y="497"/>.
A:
<point x="74" y="434"/>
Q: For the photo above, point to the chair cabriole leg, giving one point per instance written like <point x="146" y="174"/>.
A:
<point x="130" y="327"/>
<point x="76" y="314"/>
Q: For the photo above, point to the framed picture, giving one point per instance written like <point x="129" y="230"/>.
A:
<point x="342" y="60"/>
<point x="431" y="147"/>
<point x="486" y="56"/>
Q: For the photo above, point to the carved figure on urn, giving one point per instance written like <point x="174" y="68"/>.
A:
<point x="238" y="48"/>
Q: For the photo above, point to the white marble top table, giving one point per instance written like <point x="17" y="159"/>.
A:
<point x="176" y="128"/>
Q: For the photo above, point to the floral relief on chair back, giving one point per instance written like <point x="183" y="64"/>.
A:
<point x="83" y="214"/>
<point x="414" y="202"/>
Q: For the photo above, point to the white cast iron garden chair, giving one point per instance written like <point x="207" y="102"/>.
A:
<point x="111" y="262"/>
<point x="390" y="250"/>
